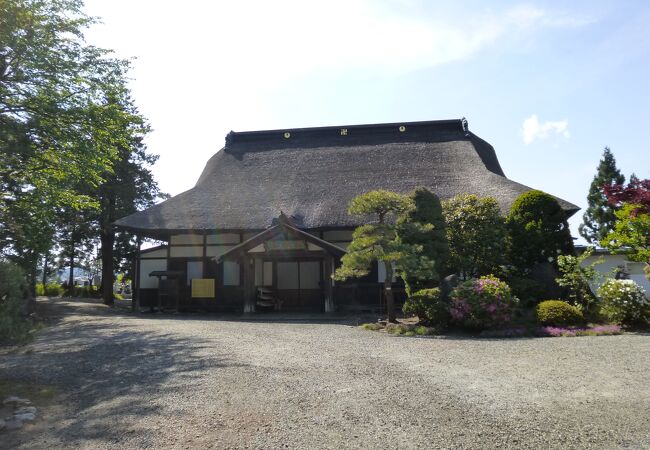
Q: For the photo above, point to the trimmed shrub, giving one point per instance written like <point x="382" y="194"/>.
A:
<point x="428" y="305"/>
<point x="558" y="313"/>
<point x="538" y="230"/>
<point x="624" y="302"/>
<point x="483" y="303"/>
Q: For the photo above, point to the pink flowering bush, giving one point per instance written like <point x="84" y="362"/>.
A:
<point x="483" y="303"/>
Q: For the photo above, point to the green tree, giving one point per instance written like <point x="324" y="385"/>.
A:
<point x="631" y="234"/>
<point x="52" y="100"/>
<point x="379" y="242"/>
<point x="476" y="235"/>
<point x="424" y="225"/>
<point x="598" y="219"/>
<point x="128" y="188"/>
<point x="67" y="124"/>
<point x="538" y="230"/>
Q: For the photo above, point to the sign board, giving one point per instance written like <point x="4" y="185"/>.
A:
<point x="203" y="288"/>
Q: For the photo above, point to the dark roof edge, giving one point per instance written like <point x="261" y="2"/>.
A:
<point x="395" y="128"/>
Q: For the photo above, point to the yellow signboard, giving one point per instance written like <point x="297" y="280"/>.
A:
<point x="203" y="288"/>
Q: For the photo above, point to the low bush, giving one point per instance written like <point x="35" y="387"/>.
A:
<point x="82" y="291"/>
<point x="49" y="290"/>
<point x="372" y="326"/>
<point x="483" y="303"/>
<point x="14" y="325"/>
<point x="624" y="302"/>
<point x="53" y="290"/>
<point x="428" y="305"/>
<point x="558" y="313"/>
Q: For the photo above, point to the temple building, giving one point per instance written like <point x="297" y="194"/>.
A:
<point x="266" y="223"/>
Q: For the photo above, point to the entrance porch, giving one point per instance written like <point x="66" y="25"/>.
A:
<point x="286" y="269"/>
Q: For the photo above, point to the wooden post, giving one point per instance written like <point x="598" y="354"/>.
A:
<point x="328" y="290"/>
<point x="135" y="302"/>
<point x="249" y="295"/>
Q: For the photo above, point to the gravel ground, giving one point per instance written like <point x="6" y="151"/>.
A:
<point x="194" y="382"/>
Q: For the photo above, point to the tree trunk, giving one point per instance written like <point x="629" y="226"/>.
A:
<point x="31" y="302"/>
<point x="388" y="292"/>
<point x="71" y="273"/>
<point x="45" y="268"/>
<point x="107" y="237"/>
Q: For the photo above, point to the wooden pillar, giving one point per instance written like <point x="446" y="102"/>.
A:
<point x="135" y="302"/>
<point x="328" y="289"/>
<point x="249" y="294"/>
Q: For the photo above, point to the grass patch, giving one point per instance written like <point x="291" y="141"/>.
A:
<point x="372" y="326"/>
<point x="401" y="329"/>
<point x="421" y="330"/>
<point x="393" y="328"/>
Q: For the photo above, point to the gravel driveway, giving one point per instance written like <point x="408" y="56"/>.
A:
<point x="197" y="382"/>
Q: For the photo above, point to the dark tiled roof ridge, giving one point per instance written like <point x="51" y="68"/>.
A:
<point x="343" y="135"/>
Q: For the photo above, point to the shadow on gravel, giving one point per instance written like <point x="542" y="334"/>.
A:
<point x="110" y="375"/>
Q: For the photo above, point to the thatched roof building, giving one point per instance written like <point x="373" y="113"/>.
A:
<point x="311" y="174"/>
<point x="266" y="223"/>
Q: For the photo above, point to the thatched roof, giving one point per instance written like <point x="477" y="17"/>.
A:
<point x="312" y="173"/>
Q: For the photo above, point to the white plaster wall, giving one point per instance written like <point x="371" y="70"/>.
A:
<point x="610" y="262"/>
<point x="161" y="253"/>
<point x="146" y="267"/>
<point x="223" y="238"/>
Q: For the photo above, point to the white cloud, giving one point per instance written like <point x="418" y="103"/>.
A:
<point x="204" y="68"/>
<point x="533" y="129"/>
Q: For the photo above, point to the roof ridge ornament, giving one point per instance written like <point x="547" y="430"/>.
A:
<point x="285" y="220"/>
<point x="229" y="138"/>
<point x="465" y="126"/>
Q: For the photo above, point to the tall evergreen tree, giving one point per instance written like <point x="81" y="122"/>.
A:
<point x="598" y="220"/>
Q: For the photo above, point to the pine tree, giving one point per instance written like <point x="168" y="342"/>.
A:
<point x="598" y="220"/>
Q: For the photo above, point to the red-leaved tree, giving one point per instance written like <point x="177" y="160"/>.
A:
<point x="636" y="192"/>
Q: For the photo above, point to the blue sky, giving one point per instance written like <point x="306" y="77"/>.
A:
<point x="548" y="84"/>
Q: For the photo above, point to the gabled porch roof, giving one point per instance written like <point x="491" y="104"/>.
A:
<point x="284" y="225"/>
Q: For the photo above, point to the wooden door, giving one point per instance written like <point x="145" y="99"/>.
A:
<point x="299" y="285"/>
